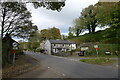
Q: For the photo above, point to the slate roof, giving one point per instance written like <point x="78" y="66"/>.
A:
<point x="61" y="42"/>
<point x="86" y="44"/>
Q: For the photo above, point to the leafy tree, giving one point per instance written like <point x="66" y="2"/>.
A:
<point x="88" y="15"/>
<point x="54" y="33"/>
<point x="79" y="26"/>
<point x="14" y="15"/>
<point x="109" y="14"/>
<point x="70" y="35"/>
<point x="51" y="33"/>
<point x="50" y="5"/>
<point x="44" y="34"/>
<point x="14" y="18"/>
<point x="34" y="41"/>
<point x="99" y="15"/>
<point x="104" y="12"/>
<point x="87" y="20"/>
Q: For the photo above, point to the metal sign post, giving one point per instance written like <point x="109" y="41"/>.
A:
<point x="13" y="58"/>
<point x="96" y="47"/>
<point x="14" y="51"/>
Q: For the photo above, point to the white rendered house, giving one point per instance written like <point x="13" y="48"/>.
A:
<point x="55" y="46"/>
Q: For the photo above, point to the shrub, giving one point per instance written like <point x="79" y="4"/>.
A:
<point x="38" y="50"/>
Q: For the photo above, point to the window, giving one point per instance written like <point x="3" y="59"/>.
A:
<point x="63" y="44"/>
<point x="54" y="44"/>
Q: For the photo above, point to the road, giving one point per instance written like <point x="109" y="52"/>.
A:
<point x="69" y="68"/>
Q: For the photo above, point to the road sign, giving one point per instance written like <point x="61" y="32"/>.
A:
<point x="15" y="48"/>
<point x="95" y="46"/>
<point x="14" y="51"/>
<point x="15" y="44"/>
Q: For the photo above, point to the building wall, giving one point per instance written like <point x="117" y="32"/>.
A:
<point x="64" y="47"/>
<point x="48" y="46"/>
<point x="54" y="47"/>
<point x="74" y="46"/>
<point x="42" y="45"/>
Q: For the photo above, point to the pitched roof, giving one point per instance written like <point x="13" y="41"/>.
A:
<point x="87" y="44"/>
<point x="61" y="41"/>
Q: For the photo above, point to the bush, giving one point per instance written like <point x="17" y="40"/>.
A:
<point x="91" y="51"/>
<point x="42" y="50"/>
<point x="19" y="52"/>
<point x="37" y="50"/>
<point x="109" y="41"/>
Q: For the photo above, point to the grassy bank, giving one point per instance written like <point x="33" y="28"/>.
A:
<point x="102" y="37"/>
<point x="23" y="64"/>
<point x="99" y="61"/>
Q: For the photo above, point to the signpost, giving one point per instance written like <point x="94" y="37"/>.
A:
<point x="96" y="47"/>
<point x="15" y="44"/>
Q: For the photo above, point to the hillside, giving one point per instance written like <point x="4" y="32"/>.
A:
<point x="107" y="40"/>
<point x="103" y="36"/>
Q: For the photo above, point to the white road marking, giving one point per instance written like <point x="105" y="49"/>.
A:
<point x="67" y="58"/>
<point x="63" y="74"/>
<point x="48" y="67"/>
<point x="59" y="73"/>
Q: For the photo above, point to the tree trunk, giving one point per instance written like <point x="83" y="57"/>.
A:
<point x="77" y="33"/>
<point x="3" y="21"/>
<point x="94" y="25"/>
<point x="89" y="29"/>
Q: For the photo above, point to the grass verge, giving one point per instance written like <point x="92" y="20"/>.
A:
<point x="99" y="61"/>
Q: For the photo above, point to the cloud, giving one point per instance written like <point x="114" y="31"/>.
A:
<point x="44" y="18"/>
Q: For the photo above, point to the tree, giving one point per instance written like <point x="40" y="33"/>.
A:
<point x="70" y="35"/>
<point x="50" y="5"/>
<point x="44" y="34"/>
<point x="54" y="33"/>
<point x="109" y="15"/>
<point x="88" y="15"/>
<point x="104" y="12"/>
<point x="87" y="20"/>
<point x="15" y="18"/>
<point x="79" y="26"/>
<point x="14" y="15"/>
<point x="51" y="33"/>
<point x="34" y="41"/>
<point x="91" y="17"/>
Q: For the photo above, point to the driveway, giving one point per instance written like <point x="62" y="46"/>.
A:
<point x="70" y="69"/>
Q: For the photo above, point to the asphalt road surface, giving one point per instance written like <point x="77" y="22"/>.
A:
<point x="71" y="69"/>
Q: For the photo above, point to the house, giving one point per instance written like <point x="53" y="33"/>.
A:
<point x="56" y="46"/>
<point x="42" y="45"/>
<point x="7" y="49"/>
<point x="85" y="46"/>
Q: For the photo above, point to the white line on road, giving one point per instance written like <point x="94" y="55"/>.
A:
<point x="67" y="58"/>
<point x="48" y="67"/>
<point x="59" y="73"/>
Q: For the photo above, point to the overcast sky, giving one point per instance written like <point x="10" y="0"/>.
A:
<point x="45" y="19"/>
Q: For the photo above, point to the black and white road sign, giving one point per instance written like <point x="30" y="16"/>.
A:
<point x="15" y="44"/>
